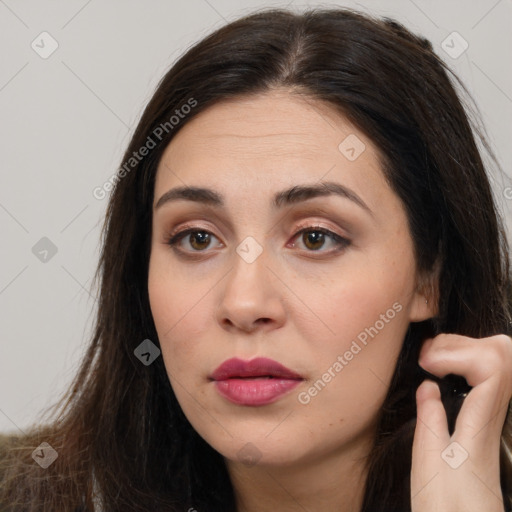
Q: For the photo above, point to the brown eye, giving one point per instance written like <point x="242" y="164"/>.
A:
<point x="197" y="239"/>
<point x="315" y="238"/>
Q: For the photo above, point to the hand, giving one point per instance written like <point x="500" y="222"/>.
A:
<point x="461" y="473"/>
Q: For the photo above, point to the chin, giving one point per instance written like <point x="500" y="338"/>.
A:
<point x="252" y="450"/>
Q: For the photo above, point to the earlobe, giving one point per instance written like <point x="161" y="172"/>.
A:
<point x="426" y="297"/>
<point x="422" y="308"/>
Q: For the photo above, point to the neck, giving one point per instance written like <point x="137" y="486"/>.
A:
<point x="332" y="482"/>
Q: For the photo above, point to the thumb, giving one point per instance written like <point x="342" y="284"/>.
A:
<point x="430" y="436"/>
<point x="431" y="424"/>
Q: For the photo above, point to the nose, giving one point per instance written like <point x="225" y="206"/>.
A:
<point x="252" y="297"/>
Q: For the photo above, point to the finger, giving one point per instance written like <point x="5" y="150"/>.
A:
<point x="481" y="416"/>
<point x="431" y="434"/>
<point x="475" y="359"/>
<point x="454" y="354"/>
<point x="486" y="366"/>
<point x="430" y="438"/>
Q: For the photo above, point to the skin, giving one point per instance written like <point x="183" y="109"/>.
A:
<point x="299" y="302"/>
<point x="468" y="477"/>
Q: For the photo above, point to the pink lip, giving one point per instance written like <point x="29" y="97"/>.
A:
<point x="259" y="381"/>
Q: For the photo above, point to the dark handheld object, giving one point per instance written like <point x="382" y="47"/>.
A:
<point x="454" y="390"/>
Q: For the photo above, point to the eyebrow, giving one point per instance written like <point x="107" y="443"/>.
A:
<point x="293" y="195"/>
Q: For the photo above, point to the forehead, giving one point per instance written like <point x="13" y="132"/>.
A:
<point x="271" y="141"/>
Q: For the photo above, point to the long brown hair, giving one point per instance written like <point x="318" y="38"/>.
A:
<point x="120" y="425"/>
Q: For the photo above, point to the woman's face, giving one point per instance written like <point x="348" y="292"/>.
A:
<point x="332" y="303"/>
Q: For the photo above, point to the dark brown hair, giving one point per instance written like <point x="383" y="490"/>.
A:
<point x="120" y="421"/>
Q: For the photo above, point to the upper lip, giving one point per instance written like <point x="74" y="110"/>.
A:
<point x="258" y="367"/>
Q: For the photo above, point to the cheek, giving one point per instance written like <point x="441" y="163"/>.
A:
<point x="355" y="340"/>
<point x="368" y="336"/>
<point x="180" y="313"/>
<point x="353" y="303"/>
<point x="353" y="367"/>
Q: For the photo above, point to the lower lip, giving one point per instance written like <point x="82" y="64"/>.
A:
<point x="254" y="391"/>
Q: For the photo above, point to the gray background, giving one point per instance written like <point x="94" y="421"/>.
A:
<point x="66" y="120"/>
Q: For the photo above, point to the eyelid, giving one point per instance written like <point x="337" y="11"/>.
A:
<point x="178" y="234"/>
<point x="182" y="228"/>
<point x="174" y="238"/>
<point x="341" y="242"/>
<point x="299" y="224"/>
<point x="312" y="224"/>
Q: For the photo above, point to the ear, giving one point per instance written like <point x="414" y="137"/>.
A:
<point x="425" y="302"/>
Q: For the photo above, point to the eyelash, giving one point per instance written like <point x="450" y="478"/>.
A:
<point x="340" y="241"/>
